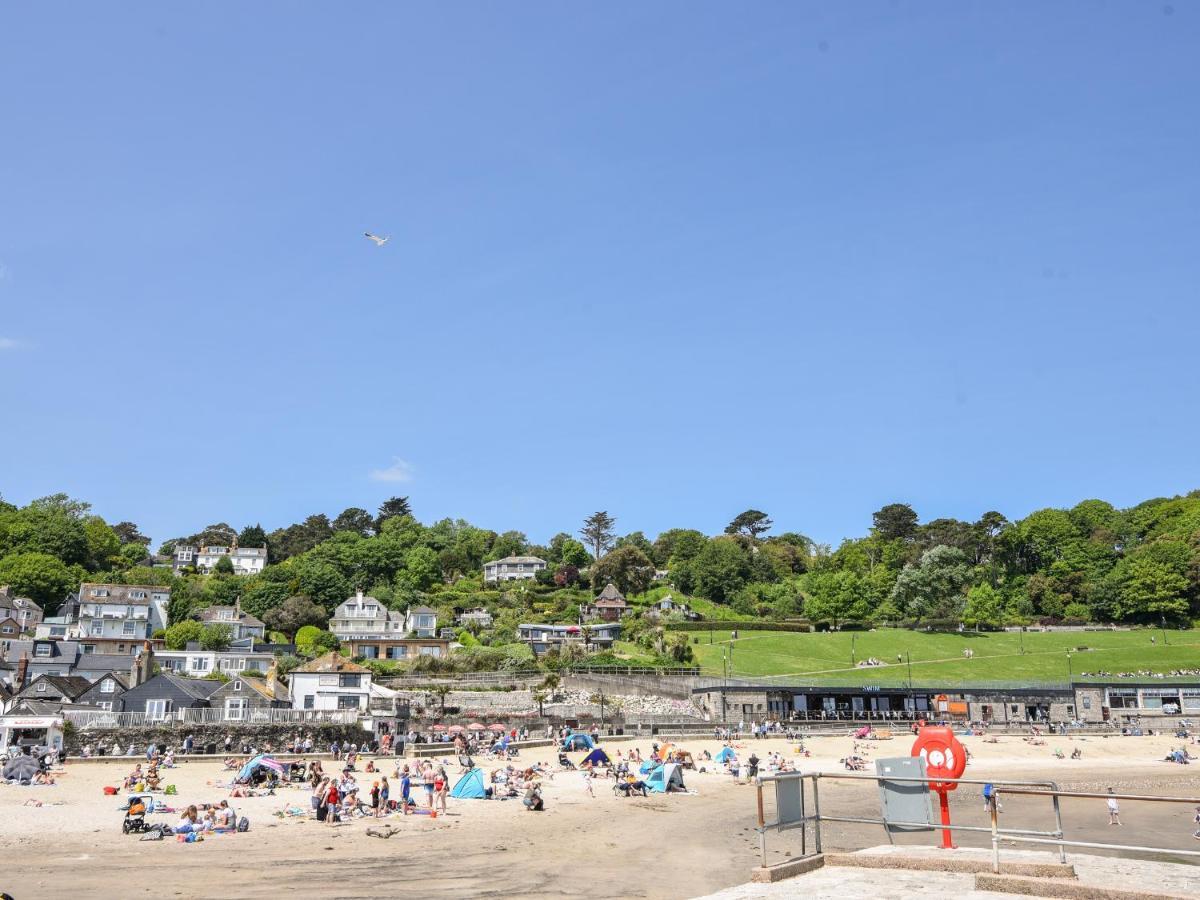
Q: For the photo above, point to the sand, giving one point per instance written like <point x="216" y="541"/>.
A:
<point x="666" y="846"/>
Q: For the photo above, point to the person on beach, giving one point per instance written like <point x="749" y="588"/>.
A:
<point x="1114" y="810"/>
<point x="587" y="783"/>
<point x="1196" y="822"/>
<point x="384" y="791"/>
<point x="375" y="799"/>
<point x="405" y="789"/>
<point x="441" y="787"/>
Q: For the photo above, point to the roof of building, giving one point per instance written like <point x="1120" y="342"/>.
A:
<point x="610" y="592"/>
<point x="257" y="685"/>
<point x="99" y="662"/>
<point x="121" y="678"/>
<point x="331" y="662"/>
<point x="70" y="686"/>
<point x="119" y="593"/>
<point x="516" y="559"/>
<point x="213" y="614"/>
<point x="422" y="611"/>
<point x="7" y="595"/>
<point x="199" y="688"/>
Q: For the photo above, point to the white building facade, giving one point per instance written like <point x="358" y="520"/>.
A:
<point x="330" y="682"/>
<point x="125" y="611"/>
<point x="513" y="568"/>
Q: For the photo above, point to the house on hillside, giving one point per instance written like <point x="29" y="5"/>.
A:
<point x="372" y="631"/>
<point x="121" y="612"/>
<point x="24" y="611"/>
<point x="364" y="617"/>
<point x="240" y="624"/>
<point x="669" y="605"/>
<point x="479" y="616"/>
<point x="513" y="568"/>
<point x="330" y="682"/>
<point x="240" y="699"/>
<point x="544" y="638"/>
<point x="162" y="695"/>
<point x="609" y="606"/>
<point x="421" y="621"/>
<point x="245" y="560"/>
<point x="241" y="656"/>
<point x="106" y="691"/>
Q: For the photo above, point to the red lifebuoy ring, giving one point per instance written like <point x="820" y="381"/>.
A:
<point x="945" y="756"/>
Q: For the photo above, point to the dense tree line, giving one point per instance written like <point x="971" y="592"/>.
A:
<point x="1089" y="562"/>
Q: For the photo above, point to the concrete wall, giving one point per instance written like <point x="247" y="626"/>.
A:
<point x="172" y="735"/>
<point x="676" y="687"/>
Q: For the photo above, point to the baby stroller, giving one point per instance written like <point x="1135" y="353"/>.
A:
<point x="135" y="817"/>
<point x="564" y="762"/>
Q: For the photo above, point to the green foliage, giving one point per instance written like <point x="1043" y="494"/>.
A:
<point x="41" y="577"/>
<point x="293" y="614"/>
<point x="627" y="567"/>
<point x="720" y="569"/>
<point x="181" y="633"/>
<point x="223" y="566"/>
<point x="751" y="523"/>
<point x="313" y="641"/>
<point x="215" y="637"/>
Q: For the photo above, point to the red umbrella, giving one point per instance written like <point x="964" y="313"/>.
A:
<point x="454" y="729"/>
<point x="439" y="727"/>
<point x="497" y="728"/>
<point x="475" y="726"/>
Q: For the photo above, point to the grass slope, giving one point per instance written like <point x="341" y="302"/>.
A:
<point x="825" y="657"/>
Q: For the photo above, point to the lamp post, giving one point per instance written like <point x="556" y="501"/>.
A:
<point x="1163" y="622"/>
<point x="1070" y="669"/>
<point x="1022" y="634"/>
<point x="908" y="653"/>
<point x="852" y="637"/>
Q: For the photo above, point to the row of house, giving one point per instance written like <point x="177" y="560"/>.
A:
<point x="18" y="615"/>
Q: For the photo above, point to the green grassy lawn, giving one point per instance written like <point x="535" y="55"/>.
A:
<point x="938" y="657"/>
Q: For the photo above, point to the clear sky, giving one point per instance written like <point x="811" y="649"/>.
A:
<point x="672" y="260"/>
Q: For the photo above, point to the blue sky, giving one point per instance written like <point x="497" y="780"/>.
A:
<point x="672" y="260"/>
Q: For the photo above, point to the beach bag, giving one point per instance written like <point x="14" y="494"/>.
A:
<point x="154" y="834"/>
<point x="110" y="791"/>
<point x="170" y="790"/>
<point x="243" y="824"/>
<point x="987" y="791"/>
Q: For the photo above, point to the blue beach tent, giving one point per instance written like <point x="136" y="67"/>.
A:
<point x="725" y="754"/>
<point x="471" y="786"/>
<point x="578" y="742"/>
<point x="597" y="758"/>
<point x="665" y="777"/>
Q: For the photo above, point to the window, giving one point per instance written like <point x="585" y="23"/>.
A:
<point x="97" y="627"/>
<point x="308" y="701"/>
<point x="431" y="651"/>
<point x="107" y="686"/>
<point x="137" y="595"/>
<point x="43" y="650"/>
<point x="235" y="708"/>
<point x="127" y="628"/>
<point x="41" y="687"/>
<point x="156" y="710"/>
<point x="347" y="702"/>
<point x="353" y="680"/>
<point x="199" y="663"/>
<point x="89" y="648"/>
<point x="7" y="629"/>
<point x="1087" y="702"/>
<point x="237" y="685"/>
<point x="106" y="705"/>
<point x="1122" y="698"/>
<point x="99" y="592"/>
<point x="397" y="652"/>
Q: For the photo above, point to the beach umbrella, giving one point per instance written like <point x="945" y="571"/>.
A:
<point x="475" y="726"/>
<point x="439" y="727"/>
<point x="21" y="767"/>
<point x="497" y="727"/>
<point x="455" y="729"/>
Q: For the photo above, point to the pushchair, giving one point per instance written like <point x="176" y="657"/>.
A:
<point x="564" y="762"/>
<point x="135" y="818"/>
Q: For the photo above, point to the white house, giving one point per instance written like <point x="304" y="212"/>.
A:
<point x="480" y="616"/>
<point x="196" y="662"/>
<point x="513" y="568"/>
<point x="362" y="617"/>
<point x="421" y="621"/>
<point x="24" y="611"/>
<point x="245" y="560"/>
<point x="121" y="610"/>
<point x="330" y="682"/>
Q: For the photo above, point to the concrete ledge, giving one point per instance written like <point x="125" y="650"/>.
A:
<point x="1058" y="887"/>
<point x="947" y="863"/>
<point x="789" y="869"/>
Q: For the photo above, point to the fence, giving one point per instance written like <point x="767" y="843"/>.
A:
<point x="792" y="811"/>
<point x="102" y="720"/>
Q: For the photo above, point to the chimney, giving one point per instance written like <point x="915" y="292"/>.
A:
<point x="143" y="666"/>
<point x="22" y="671"/>
<point x="275" y="689"/>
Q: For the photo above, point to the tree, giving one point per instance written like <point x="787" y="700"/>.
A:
<point x="895" y="522"/>
<point x="215" y="637"/>
<point x="223" y="566"/>
<point x="837" y="597"/>
<point x="1150" y="591"/>
<point x="510" y="543"/>
<point x="221" y="534"/>
<point x="627" y="567"/>
<point x="293" y="614"/>
<point x="128" y="533"/>
<point x="390" y="509"/>
<point x="40" y="577"/>
<point x="442" y="690"/>
<point x="566" y="575"/>
<point x="720" y="569"/>
<point x="934" y="588"/>
<point x="635" y="539"/>
<point x="313" y="641"/>
<point x="252" y="536"/>
<point x="102" y="543"/>
<point x="356" y="520"/>
<point x="676" y="545"/>
<point x="751" y="523"/>
<point x="423" y="568"/>
<point x="179" y="635"/>
<point x="598" y="533"/>
<point x="984" y="606"/>
<point x="573" y="553"/>
<point x="539" y="697"/>
<point x="322" y="582"/>
<point x="300" y="538"/>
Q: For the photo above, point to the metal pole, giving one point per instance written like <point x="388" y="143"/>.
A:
<point x="817" y="811"/>
<point x="1062" y="849"/>
<point x="762" y="822"/>
<point x="994" y="801"/>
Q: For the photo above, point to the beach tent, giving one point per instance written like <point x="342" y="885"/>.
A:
<point x="665" y="777"/>
<point x="260" y="761"/>
<point x="471" y="786"/>
<point x="578" y="742"/>
<point x="725" y="755"/>
<point x="21" y="768"/>
<point x="649" y="766"/>
<point x="597" y="757"/>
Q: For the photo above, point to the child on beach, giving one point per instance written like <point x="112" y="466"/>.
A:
<point x="1114" y="811"/>
<point x="384" y="790"/>
<point x="587" y="783"/>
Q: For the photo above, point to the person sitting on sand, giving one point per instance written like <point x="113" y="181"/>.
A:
<point x="152" y="780"/>
<point x="533" y="799"/>
<point x="1076" y="753"/>
<point x="135" y="777"/>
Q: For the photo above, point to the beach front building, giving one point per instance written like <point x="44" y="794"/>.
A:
<point x="54" y="689"/>
<point x="163" y="696"/>
<point x="513" y="568"/>
<point x="105" y="691"/>
<point x="362" y="617"/>
<point x="196" y="662"/>
<point x="397" y="648"/>
<point x="240" y="624"/>
<point x="544" y="638"/>
<point x="372" y="631"/>
<point x="30" y="659"/>
<point x="609" y="606"/>
<point x="245" y="560"/>
<point x="330" y="682"/>
<point x="22" y="610"/>
<point x="120" y="612"/>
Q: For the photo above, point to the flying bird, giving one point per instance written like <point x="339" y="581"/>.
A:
<point x="379" y="241"/>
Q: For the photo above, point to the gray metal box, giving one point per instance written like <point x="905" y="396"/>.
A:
<point x="904" y="801"/>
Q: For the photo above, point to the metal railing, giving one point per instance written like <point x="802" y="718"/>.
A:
<point x="1048" y="789"/>
<point x="102" y="720"/>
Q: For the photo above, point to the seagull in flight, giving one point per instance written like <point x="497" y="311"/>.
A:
<point x="379" y="241"/>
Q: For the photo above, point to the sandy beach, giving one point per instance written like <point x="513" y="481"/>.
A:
<point x="664" y="846"/>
